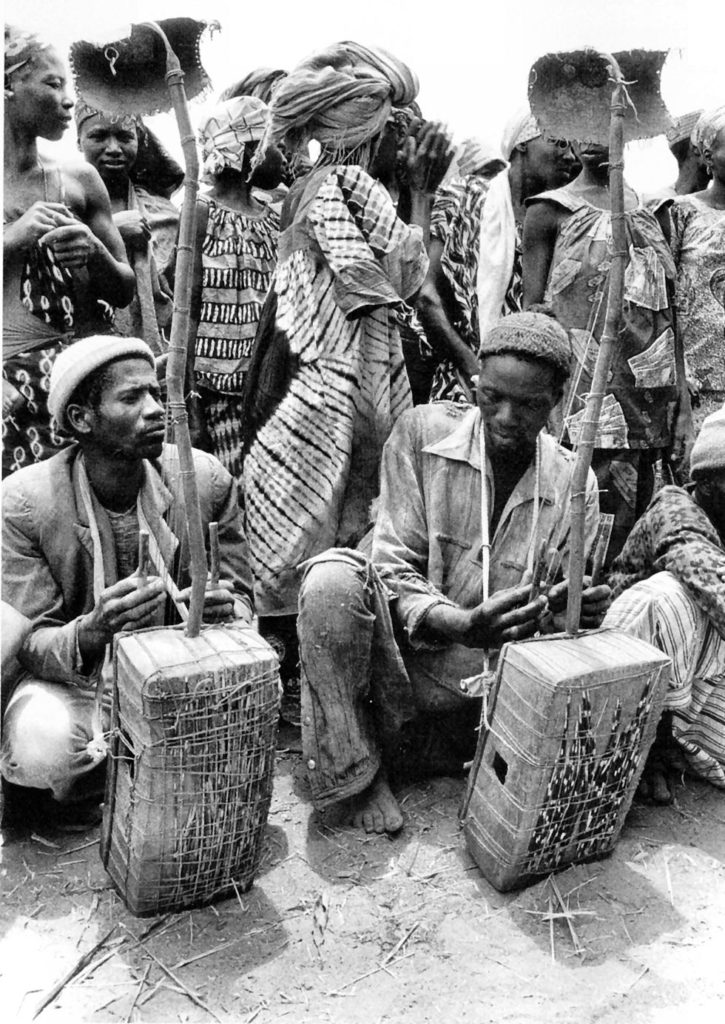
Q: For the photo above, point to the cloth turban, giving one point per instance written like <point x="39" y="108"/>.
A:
<point x="706" y="130"/>
<point x="20" y="48"/>
<point x="226" y="132"/>
<point x="520" y="129"/>
<point x="708" y="451"/>
<point x="341" y="96"/>
<point x="532" y="335"/>
<point x="260" y="83"/>
<point x="82" y="358"/>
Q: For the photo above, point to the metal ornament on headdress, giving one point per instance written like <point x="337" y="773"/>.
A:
<point x="570" y="94"/>
<point x="155" y="68"/>
<point x="128" y="76"/>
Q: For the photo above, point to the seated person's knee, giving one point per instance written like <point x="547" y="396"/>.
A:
<point x="48" y="737"/>
<point x="330" y="584"/>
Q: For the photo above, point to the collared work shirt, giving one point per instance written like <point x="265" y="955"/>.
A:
<point x="48" y="553"/>
<point x="428" y="539"/>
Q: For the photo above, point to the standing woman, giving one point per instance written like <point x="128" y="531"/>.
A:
<point x="234" y="256"/>
<point x="698" y="243"/>
<point x="57" y="229"/>
<point x="140" y="178"/>
<point x="347" y="265"/>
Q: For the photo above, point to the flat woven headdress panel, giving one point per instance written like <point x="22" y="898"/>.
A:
<point x="570" y="94"/>
<point x="128" y="75"/>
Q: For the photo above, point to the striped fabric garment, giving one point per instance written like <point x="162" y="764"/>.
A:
<point x="312" y="472"/>
<point x="238" y="259"/>
<point x="456" y="222"/>
<point x="662" y="611"/>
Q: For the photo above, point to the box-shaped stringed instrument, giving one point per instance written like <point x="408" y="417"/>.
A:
<point x="570" y="721"/>
<point x="189" y="783"/>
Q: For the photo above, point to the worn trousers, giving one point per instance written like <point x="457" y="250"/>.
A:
<point x="49" y="736"/>
<point x="365" y="704"/>
<point x="662" y="611"/>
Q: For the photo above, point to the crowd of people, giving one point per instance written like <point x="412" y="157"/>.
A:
<point x="391" y="343"/>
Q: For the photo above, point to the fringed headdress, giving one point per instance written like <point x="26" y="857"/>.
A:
<point x="155" y="169"/>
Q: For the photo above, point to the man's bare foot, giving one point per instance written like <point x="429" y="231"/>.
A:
<point x="375" y="809"/>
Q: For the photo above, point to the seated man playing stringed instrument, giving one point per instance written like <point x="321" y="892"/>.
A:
<point x="392" y="647"/>
<point x="70" y="555"/>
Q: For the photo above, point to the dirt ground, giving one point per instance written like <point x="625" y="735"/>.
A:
<point x="363" y="930"/>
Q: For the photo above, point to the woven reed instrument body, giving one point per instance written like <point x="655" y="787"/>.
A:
<point x="571" y="717"/>
<point x="189" y="783"/>
<point x="571" y="720"/>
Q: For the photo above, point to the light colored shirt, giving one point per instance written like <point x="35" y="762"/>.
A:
<point x="428" y="539"/>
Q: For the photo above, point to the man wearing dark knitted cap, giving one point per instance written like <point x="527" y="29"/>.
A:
<point x="70" y="559"/>
<point x="392" y="646"/>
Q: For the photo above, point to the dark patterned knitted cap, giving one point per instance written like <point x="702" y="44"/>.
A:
<point x="536" y="335"/>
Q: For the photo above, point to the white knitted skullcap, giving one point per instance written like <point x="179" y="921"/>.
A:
<point x="81" y="358"/>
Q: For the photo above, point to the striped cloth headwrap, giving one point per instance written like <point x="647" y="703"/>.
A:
<point x="20" y="48"/>
<point x="226" y="132"/>
<point x="682" y="126"/>
<point x="260" y="83"/>
<point x="342" y="97"/>
<point x="705" y="131"/>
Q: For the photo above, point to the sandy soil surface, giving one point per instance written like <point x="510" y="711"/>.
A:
<point x="351" y="929"/>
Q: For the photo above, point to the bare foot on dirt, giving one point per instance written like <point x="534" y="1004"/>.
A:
<point x="375" y="809"/>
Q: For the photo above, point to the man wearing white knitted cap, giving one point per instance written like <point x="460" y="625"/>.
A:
<point x="70" y="557"/>
<point x="670" y="578"/>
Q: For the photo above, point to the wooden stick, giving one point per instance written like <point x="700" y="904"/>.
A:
<point x="180" y="336"/>
<point x="538" y="572"/>
<point x="399" y="945"/>
<point x="554" y="558"/>
<point x="368" y="974"/>
<point x="139" y="990"/>
<point x="604" y="535"/>
<point x="566" y="914"/>
<point x="77" y="967"/>
<point x="214" y="553"/>
<point x="209" y="952"/>
<point x="143" y="556"/>
<point x="587" y="437"/>
<point x="177" y="981"/>
<point x="551" y="930"/>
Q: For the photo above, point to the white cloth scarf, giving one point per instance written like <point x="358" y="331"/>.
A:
<point x="497" y="250"/>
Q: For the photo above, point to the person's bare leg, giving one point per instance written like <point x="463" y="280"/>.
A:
<point x="375" y="809"/>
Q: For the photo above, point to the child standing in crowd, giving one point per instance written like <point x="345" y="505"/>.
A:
<point x="234" y="257"/>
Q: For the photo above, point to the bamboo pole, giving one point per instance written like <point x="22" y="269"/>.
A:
<point x="585" y="446"/>
<point x="180" y="335"/>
